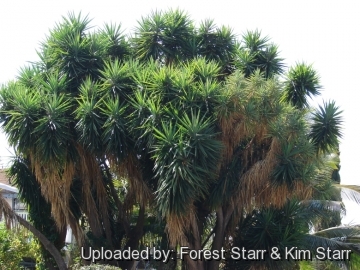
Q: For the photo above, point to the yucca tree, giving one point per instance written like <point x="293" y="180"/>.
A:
<point x="173" y="126"/>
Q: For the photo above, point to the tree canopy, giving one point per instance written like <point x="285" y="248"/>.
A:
<point x="174" y="135"/>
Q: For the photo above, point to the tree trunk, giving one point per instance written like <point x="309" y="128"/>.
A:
<point x="122" y="218"/>
<point x="135" y="237"/>
<point x="218" y="239"/>
<point x="46" y="243"/>
<point x="197" y="241"/>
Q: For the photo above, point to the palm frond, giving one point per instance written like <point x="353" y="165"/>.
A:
<point x="351" y="192"/>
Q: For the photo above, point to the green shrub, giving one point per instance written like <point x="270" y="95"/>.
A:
<point x="15" y="244"/>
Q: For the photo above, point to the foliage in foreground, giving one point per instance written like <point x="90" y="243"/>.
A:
<point x="16" y="244"/>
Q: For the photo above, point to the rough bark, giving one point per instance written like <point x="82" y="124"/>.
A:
<point x="197" y="242"/>
<point x="122" y="218"/>
<point x="218" y="238"/>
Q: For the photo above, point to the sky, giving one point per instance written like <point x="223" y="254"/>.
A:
<point x="325" y="34"/>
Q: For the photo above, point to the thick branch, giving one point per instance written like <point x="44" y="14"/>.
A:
<point x="10" y="215"/>
<point x="197" y="241"/>
<point x="135" y="235"/>
<point x="46" y="243"/>
<point x="219" y="237"/>
<point x="118" y="203"/>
